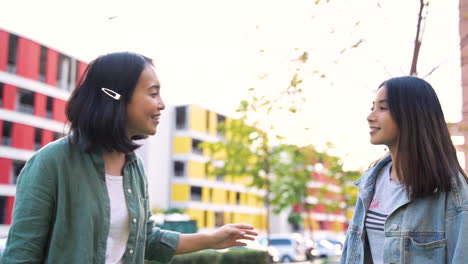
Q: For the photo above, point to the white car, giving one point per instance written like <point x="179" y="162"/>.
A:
<point x="290" y="246"/>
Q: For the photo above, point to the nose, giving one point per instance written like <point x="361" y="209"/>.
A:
<point x="161" y="104"/>
<point x="371" y="117"/>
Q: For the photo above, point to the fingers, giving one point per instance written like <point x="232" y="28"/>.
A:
<point x="242" y="226"/>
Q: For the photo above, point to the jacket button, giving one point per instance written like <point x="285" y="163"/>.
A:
<point x="394" y="227"/>
<point x="131" y="251"/>
<point x="129" y="190"/>
<point x="134" y="220"/>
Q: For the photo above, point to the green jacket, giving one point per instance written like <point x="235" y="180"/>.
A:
<point x="62" y="209"/>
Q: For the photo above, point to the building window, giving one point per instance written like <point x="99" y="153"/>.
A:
<point x="49" y="105"/>
<point x="17" y="167"/>
<point x="42" y="64"/>
<point x="25" y="101"/>
<point x="6" y="133"/>
<point x="195" y="193"/>
<point x="179" y="168"/>
<point x="219" y="219"/>
<point x="238" y="198"/>
<point x="181" y="117"/>
<point x="220" y="119"/>
<point x="63" y="71"/>
<point x="196" y="149"/>
<point x="3" y="212"/>
<point x="37" y="138"/>
<point x="220" y="177"/>
<point x="12" y="53"/>
<point x="208" y="121"/>
<point x="1" y="94"/>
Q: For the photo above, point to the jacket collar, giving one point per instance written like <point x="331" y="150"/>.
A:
<point x="367" y="181"/>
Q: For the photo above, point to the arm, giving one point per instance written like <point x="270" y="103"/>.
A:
<point x="224" y="237"/>
<point x="32" y="215"/>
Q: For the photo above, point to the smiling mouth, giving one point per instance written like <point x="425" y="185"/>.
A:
<point x="155" y="117"/>
<point x="374" y="130"/>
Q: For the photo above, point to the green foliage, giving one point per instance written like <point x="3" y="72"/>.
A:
<point x="242" y="256"/>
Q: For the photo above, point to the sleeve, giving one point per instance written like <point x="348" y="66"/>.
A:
<point x="32" y="215"/>
<point x="160" y="244"/>
<point x="457" y="240"/>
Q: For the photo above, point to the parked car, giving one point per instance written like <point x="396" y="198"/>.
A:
<point x="326" y="248"/>
<point x="290" y="246"/>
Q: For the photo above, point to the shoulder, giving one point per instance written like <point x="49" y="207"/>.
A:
<point x="51" y="152"/>
<point x="459" y="192"/>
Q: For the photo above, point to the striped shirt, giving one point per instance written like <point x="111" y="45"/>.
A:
<point x="388" y="196"/>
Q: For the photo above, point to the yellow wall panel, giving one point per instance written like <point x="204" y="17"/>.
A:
<point x="206" y="195"/>
<point x="213" y="123"/>
<point x="196" y="170"/>
<point x="210" y="219"/>
<point x="197" y="119"/>
<point x="219" y="196"/>
<point x="198" y="215"/>
<point x="180" y="192"/>
<point x="182" y="145"/>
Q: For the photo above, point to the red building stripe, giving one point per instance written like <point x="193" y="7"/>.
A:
<point x="9" y="209"/>
<point x="27" y="64"/>
<point x="80" y="71"/>
<point x="4" y="37"/>
<point x="47" y="137"/>
<point x="51" y="67"/>
<point x="58" y="110"/>
<point x="22" y="136"/>
<point x="6" y="165"/>
<point x="40" y="101"/>
<point x="9" y="96"/>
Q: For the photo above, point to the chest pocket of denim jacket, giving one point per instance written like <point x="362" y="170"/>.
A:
<point x="425" y="249"/>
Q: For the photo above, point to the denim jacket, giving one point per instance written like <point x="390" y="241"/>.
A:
<point x="432" y="229"/>
<point x="62" y="211"/>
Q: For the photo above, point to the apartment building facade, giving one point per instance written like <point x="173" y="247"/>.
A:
<point x="35" y="82"/>
<point x="174" y="158"/>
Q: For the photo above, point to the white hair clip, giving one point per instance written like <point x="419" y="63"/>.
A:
<point x="111" y="93"/>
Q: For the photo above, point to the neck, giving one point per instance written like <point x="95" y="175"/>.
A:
<point x="114" y="163"/>
<point x="393" y="169"/>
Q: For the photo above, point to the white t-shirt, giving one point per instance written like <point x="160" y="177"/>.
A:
<point x="388" y="196"/>
<point x="119" y="224"/>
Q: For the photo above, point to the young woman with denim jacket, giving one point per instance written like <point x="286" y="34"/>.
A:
<point x="84" y="198"/>
<point x="412" y="205"/>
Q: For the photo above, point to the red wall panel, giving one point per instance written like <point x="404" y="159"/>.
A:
<point x="40" y="101"/>
<point x="9" y="96"/>
<point x="81" y="69"/>
<point x="4" y="37"/>
<point x="9" y="209"/>
<point x="28" y="58"/>
<point x="51" y="67"/>
<point x="22" y="136"/>
<point x="47" y="137"/>
<point x="58" y="110"/>
<point x="5" y="170"/>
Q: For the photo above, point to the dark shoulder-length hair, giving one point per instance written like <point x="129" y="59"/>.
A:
<point x="426" y="159"/>
<point x="99" y="121"/>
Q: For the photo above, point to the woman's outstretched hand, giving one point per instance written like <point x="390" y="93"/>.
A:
<point x="230" y="234"/>
<point x="223" y="237"/>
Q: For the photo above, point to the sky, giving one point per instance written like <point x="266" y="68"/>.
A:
<point x="210" y="52"/>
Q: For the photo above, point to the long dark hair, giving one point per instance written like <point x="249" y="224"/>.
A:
<point x="426" y="159"/>
<point x="97" y="120"/>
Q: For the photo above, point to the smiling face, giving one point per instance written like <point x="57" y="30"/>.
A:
<point x="383" y="128"/>
<point x="145" y="106"/>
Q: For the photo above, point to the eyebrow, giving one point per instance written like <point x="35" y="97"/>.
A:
<point x="381" y="101"/>
<point x="154" y="87"/>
